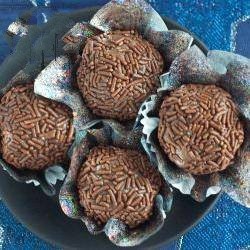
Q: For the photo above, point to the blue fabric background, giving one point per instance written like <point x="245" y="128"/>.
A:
<point x="221" y="25"/>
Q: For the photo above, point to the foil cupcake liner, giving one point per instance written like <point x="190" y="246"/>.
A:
<point x="108" y="132"/>
<point x="130" y="15"/>
<point x="224" y="69"/>
<point x="34" y="50"/>
<point x="140" y="16"/>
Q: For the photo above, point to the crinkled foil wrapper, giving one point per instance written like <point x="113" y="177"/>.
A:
<point x="33" y="52"/>
<point x="140" y="16"/>
<point x="108" y="132"/>
<point x="232" y="73"/>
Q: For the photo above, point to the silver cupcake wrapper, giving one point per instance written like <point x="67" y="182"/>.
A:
<point x="107" y="132"/>
<point x="130" y="15"/>
<point x="229" y="71"/>
<point x="140" y="16"/>
<point x="33" y="51"/>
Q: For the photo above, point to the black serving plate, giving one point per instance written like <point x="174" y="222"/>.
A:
<point x="43" y="216"/>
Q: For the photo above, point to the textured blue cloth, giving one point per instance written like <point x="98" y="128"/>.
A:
<point x="221" y="25"/>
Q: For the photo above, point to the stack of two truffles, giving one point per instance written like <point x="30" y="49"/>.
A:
<point x="119" y="70"/>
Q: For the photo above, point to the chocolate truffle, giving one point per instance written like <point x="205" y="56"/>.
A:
<point x="36" y="132"/>
<point x="119" y="70"/>
<point x="199" y="128"/>
<point x="118" y="183"/>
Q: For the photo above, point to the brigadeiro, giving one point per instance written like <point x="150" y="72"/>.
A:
<point x="118" y="183"/>
<point x="200" y="129"/>
<point x="36" y="132"/>
<point x="118" y="71"/>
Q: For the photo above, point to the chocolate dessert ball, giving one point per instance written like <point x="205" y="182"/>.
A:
<point x="199" y="128"/>
<point x="118" y="183"/>
<point x="36" y="132"/>
<point x="119" y="70"/>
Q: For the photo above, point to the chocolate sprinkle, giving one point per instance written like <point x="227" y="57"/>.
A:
<point x="119" y="70"/>
<point x="118" y="183"/>
<point x="199" y="128"/>
<point x="36" y="132"/>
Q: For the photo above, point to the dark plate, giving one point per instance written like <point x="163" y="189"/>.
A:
<point x="42" y="214"/>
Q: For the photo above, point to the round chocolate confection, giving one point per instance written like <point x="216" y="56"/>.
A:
<point x="199" y="128"/>
<point x="36" y="132"/>
<point x="119" y="70"/>
<point x="118" y="183"/>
